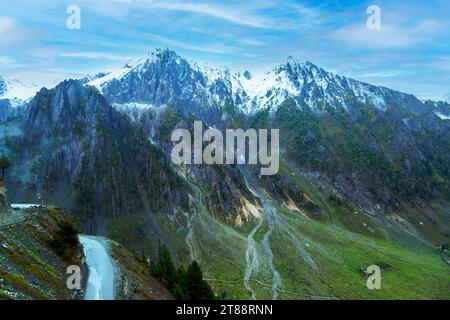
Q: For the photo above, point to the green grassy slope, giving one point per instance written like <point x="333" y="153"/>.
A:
<point x="318" y="259"/>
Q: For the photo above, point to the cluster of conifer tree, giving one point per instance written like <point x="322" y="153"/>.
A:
<point x="184" y="283"/>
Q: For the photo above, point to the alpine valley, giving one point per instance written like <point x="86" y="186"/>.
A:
<point x="364" y="175"/>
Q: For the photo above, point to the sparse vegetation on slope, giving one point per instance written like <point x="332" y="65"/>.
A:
<point x="30" y="268"/>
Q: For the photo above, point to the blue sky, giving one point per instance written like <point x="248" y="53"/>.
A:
<point x="410" y="53"/>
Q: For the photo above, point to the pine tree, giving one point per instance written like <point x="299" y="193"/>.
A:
<point x="183" y="284"/>
<point x="164" y="268"/>
<point x="198" y="288"/>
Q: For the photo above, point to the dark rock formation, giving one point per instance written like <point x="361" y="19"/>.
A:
<point x="4" y="204"/>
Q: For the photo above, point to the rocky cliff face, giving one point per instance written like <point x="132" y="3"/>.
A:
<point x="2" y="86"/>
<point x="88" y="158"/>
<point x="134" y="279"/>
<point x="5" y="110"/>
<point x="4" y="204"/>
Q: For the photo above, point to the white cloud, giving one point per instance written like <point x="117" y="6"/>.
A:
<point x="94" y="55"/>
<point x="390" y="35"/>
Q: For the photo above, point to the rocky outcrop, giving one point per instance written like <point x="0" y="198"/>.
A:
<point x="135" y="281"/>
<point x="32" y="266"/>
<point x="4" y="204"/>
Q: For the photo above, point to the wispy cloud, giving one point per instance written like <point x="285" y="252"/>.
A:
<point x="380" y="74"/>
<point x="8" y="62"/>
<point x="283" y="15"/>
<point x="94" y="55"/>
<point x="220" y="12"/>
<point x="390" y="35"/>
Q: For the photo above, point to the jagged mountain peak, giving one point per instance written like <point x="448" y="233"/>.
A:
<point x="161" y="61"/>
<point x="296" y="66"/>
<point x="164" y="54"/>
<point x="296" y="62"/>
<point x="68" y="86"/>
<point x="65" y="105"/>
<point x="157" y="56"/>
<point x="310" y="85"/>
<point x="303" y="72"/>
<point x="162" y="77"/>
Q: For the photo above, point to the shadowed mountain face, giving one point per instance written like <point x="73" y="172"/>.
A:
<point x="82" y="154"/>
<point x="360" y="165"/>
<point x="2" y="86"/>
<point x="4" y="104"/>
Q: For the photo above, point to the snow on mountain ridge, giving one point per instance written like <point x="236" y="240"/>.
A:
<point x="442" y="116"/>
<point x="302" y="82"/>
<point x="133" y="65"/>
<point x="18" y="92"/>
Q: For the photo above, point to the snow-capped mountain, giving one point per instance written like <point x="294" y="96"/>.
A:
<point x="90" y="78"/>
<point x="160" y="78"/>
<point x="18" y="91"/>
<point x="163" y="77"/>
<point x="440" y="108"/>
<point x="13" y="94"/>
<point x="312" y="86"/>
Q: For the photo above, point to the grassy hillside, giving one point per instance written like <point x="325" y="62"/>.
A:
<point x="314" y="259"/>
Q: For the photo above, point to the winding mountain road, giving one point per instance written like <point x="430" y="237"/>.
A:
<point x="100" y="285"/>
